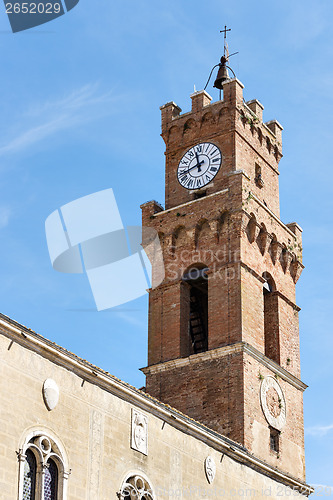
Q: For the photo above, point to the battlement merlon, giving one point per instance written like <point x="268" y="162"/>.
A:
<point x="232" y="97"/>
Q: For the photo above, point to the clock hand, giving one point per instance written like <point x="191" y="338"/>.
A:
<point x="197" y="166"/>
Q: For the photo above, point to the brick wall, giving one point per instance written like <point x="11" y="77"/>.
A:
<point x="235" y="232"/>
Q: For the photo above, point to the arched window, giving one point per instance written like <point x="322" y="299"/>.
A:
<point x="29" y="476"/>
<point x="195" y="324"/>
<point x="271" y="319"/>
<point x="42" y="469"/>
<point x="50" y="481"/>
<point x="136" y="487"/>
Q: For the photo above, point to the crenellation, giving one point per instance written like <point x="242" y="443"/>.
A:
<point x="256" y="107"/>
<point x="276" y="128"/>
<point x="169" y="112"/>
<point x="200" y="100"/>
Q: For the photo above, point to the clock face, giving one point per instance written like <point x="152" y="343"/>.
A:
<point x="199" y="165"/>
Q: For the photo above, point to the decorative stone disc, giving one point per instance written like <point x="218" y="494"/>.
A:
<point x="210" y="469"/>
<point x="50" y="394"/>
<point x="273" y="403"/>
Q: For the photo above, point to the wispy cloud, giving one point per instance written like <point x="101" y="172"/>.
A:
<point x="132" y="319"/>
<point x="5" y="214"/>
<point x="44" y="120"/>
<point x="299" y="15"/>
<point x="319" y="430"/>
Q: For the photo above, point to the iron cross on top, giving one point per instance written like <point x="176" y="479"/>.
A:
<point x="225" y="37"/>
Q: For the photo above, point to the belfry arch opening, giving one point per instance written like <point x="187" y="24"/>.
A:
<point x="271" y="319"/>
<point x="195" y="310"/>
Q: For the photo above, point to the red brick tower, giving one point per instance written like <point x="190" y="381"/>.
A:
<point x="223" y="325"/>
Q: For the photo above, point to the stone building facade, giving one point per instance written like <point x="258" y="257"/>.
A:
<point x="221" y="416"/>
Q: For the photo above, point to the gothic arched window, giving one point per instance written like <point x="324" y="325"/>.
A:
<point x="50" y="481"/>
<point x="42" y="470"/>
<point x="29" y="476"/>
<point x="136" y="487"/>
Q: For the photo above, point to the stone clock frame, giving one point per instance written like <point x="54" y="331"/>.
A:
<point x="277" y="422"/>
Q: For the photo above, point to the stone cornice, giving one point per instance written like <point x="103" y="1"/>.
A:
<point x="226" y="351"/>
<point x="224" y="191"/>
<point x="34" y="342"/>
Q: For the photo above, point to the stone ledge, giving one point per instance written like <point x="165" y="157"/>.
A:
<point x="190" y="202"/>
<point x="226" y="351"/>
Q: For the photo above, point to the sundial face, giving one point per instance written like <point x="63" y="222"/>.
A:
<point x="273" y="403"/>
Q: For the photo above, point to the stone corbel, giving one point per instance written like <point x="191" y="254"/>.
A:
<point x="21" y="456"/>
<point x="278" y="155"/>
<point x="275" y="251"/>
<point x="66" y="474"/>
<point x="296" y="269"/>
<point x="264" y="241"/>
<point x="253" y="230"/>
<point x="287" y="257"/>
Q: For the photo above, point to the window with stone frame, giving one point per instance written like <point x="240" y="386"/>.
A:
<point x="274" y="440"/>
<point x="29" y="476"/>
<point x="42" y="470"/>
<point x="136" y="487"/>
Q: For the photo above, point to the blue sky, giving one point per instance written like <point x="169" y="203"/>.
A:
<point x="79" y="112"/>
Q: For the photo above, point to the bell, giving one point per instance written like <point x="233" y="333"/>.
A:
<point x="222" y="74"/>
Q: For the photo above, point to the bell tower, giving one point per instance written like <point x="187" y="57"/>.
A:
<point x="223" y="343"/>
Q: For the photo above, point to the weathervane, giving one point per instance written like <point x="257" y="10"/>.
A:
<point x="222" y="74"/>
<point x="226" y="50"/>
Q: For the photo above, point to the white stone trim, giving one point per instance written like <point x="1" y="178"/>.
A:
<point x="199" y="92"/>
<point x="274" y="121"/>
<point x="235" y="172"/>
<point x="170" y="103"/>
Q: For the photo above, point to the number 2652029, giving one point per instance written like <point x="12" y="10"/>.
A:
<point x="33" y="8"/>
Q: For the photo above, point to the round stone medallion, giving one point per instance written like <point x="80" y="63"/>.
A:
<point x="50" y="394"/>
<point x="210" y="469"/>
<point x="273" y="403"/>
